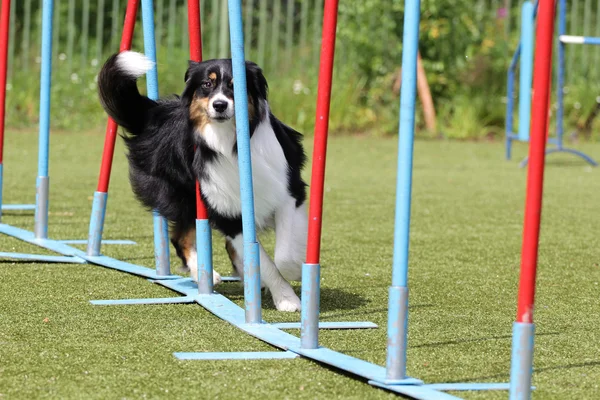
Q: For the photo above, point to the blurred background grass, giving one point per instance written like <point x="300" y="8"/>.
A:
<point x="466" y="47"/>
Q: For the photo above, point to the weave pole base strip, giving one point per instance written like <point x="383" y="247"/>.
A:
<point x="18" y="207"/>
<point x="242" y="355"/>
<point x="129" y="302"/>
<point x="577" y="153"/>
<point x="328" y="325"/>
<point x="109" y="241"/>
<point x="232" y="313"/>
<point x="469" y="386"/>
<point x="66" y="250"/>
<point x="231" y="279"/>
<point x="29" y="237"/>
<point x="42" y="258"/>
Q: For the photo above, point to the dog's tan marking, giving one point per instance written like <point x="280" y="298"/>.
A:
<point x="199" y="112"/>
<point x="183" y="240"/>
<point x="187" y="243"/>
<point x="212" y="76"/>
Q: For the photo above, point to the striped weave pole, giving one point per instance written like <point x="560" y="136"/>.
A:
<point x="523" y="328"/>
<point x="101" y="194"/>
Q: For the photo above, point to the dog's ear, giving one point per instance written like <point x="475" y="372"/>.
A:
<point x="188" y="72"/>
<point x="188" y="93"/>
<point x="257" y="83"/>
<point x="190" y="86"/>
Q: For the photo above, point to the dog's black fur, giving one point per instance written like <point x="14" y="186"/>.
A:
<point x="163" y="164"/>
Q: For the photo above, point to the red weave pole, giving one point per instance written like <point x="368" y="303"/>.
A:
<point x="195" y="33"/>
<point x="313" y="248"/>
<point x="537" y="149"/>
<point x="4" y="29"/>
<point x="111" y="126"/>
<point x="195" y="30"/>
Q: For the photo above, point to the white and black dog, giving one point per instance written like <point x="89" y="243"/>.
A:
<point x="163" y="165"/>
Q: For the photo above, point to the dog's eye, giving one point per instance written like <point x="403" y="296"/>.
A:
<point x="207" y="84"/>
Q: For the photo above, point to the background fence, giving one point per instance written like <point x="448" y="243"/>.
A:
<point x="465" y="45"/>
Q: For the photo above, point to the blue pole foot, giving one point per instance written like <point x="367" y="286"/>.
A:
<point x="521" y="366"/>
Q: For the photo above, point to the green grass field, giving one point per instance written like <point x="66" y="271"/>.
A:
<point x="464" y="264"/>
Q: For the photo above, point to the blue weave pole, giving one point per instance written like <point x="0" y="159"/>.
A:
<point x="41" y="197"/>
<point x="398" y="292"/>
<point x="161" y="229"/>
<point x="560" y="74"/>
<point x="252" y="293"/>
<point x="510" y="89"/>
<point x="526" y="70"/>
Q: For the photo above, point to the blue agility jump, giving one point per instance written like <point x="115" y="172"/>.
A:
<point x="523" y="60"/>
<point x="393" y="377"/>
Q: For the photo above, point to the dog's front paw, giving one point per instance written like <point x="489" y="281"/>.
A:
<point x="216" y="278"/>
<point x="289" y="303"/>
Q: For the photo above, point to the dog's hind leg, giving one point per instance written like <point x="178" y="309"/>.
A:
<point x="184" y="240"/>
<point x="284" y="297"/>
<point x="291" y="226"/>
<point x="236" y="259"/>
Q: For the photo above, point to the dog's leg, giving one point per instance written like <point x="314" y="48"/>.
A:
<point x="186" y="250"/>
<point x="291" y="225"/>
<point x="284" y="297"/>
<point x="235" y="258"/>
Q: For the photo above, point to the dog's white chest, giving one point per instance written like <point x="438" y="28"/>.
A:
<point x="221" y="184"/>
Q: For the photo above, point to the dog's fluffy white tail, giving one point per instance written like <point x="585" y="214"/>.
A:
<point x="134" y="64"/>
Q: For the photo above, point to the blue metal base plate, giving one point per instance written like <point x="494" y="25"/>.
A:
<point x="41" y="258"/>
<point x="328" y="325"/>
<point x="129" y="302"/>
<point x="84" y="241"/>
<point x="66" y="250"/>
<point x="231" y="279"/>
<point x="468" y="386"/>
<point x="17" y="207"/>
<point x="242" y="355"/>
<point x="420" y="392"/>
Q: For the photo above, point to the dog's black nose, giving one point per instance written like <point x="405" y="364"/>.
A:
<point x="220" y="106"/>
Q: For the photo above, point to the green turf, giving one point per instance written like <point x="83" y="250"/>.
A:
<point x="465" y="247"/>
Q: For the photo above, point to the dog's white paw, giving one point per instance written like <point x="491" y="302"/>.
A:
<point x="289" y="303"/>
<point x="216" y="278"/>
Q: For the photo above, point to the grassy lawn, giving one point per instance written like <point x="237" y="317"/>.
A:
<point x="465" y="250"/>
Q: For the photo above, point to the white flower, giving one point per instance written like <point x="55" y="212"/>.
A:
<point x="62" y="56"/>
<point x="94" y="62"/>
<point x="298" y="87"/>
